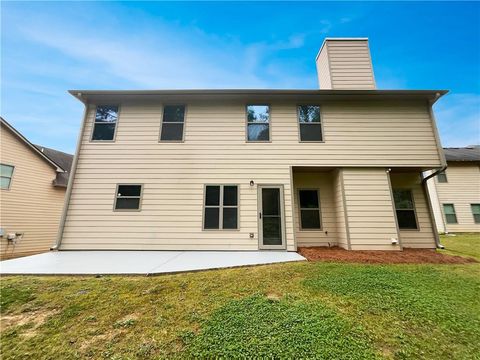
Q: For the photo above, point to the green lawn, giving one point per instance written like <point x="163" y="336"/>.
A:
<point x="302" y="310"/>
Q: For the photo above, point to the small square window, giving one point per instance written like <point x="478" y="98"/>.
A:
<point x="258" y="123"/>
<point x="105" y="123"/>
<point x="6" y="174"/>
<point x="442" y="177"/>
<point x="128" y="197"/>
<point x="173" y="123"/>
<point x="309" y="123"/>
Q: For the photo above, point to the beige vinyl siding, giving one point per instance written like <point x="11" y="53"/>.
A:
<point x="370" y="211"/>
<point x="461" y="190"/>
<point x="323" y="182"/>
<point x="350" y="64"/>
<point x="32" y="205"/>
<point x="215" y="151"/>
<point x="424" y="236"/>
<point x="323" y="70"/>
<point x="340" y="213"/>
<point x="433" y="193"/>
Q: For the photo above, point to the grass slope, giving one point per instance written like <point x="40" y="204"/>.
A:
<point x="303" y="310"/>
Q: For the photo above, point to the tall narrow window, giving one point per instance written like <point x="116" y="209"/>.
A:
<point x="450" y="214"/>
<point x="105" y="123"/>
<point x="309" y="123"/>
<point x="173" y="123"/>
<point x="309" y="210"/>
<point x="258" y="123"/>
<point x="6" y="173"/>
<point x="442" y="177"/>
<point x="405" y="209"/>
<point x="476" y="213"/>
<point x="128" y="197"/>
<point x="221" y="207"/>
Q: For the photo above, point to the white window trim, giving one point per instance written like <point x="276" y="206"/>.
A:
<point x="11" y="177"/>
<point x="175" y="122"/>
<point x="220" y="207"/>
<point x="300" y="211"/>
<point x="414" y="208"/>
<point x="257" y="123"/>
<point x="140" y="197"/>
<point x="95" y="122"/>
<point x="320" y="123"/>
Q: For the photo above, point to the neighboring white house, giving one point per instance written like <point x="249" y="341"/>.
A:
<point x="455" y="193"/>
<point x="256" y="169"/>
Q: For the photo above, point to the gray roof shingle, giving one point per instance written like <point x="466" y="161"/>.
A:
<point x="469" y="153"/>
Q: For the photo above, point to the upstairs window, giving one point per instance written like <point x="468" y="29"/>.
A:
<point x="128" y="197"/>
<point x="310" y="126"/>
<point x="405" y="209"/>
<point x="309" y="210"/>
<point x="476" y="213"/>
<point x="105" y="124"/>
<point x="450" y="214"/>
<point x="221" y="207"/>
<point x="442" y="177"/>
<point x="173" y="123"/>
<point x="6" y="173"/>
<point x="258" y="123"/>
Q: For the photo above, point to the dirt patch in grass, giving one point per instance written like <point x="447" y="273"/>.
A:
<point x="407" y="256"/>
<point x="35" y="318"/>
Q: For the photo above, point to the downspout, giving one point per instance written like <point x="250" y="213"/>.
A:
<point x="73" y="170"/>
<point x="429" y="201"/>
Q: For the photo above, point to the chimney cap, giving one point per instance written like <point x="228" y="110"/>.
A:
<point x="339" y="39"/>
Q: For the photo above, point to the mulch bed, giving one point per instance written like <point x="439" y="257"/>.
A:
<point x="407" y="256"/>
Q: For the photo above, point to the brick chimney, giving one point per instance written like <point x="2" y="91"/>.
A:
<point x="345" y="63"/>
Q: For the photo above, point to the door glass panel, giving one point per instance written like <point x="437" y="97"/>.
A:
<point x="272" y="231"/>
<point x="271" y="202"/>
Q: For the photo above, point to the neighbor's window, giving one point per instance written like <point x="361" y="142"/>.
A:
<point x="128" y="197"/>
<point x="309" y="210"/>
<point x="309" y="123"/>
<point x="405" y="209"/>
<point x="105" y="123"/>
<point x="172" y="123"/>
<point x="450" y="215"/>
<point x="221" y="207"/>
<point x="476" y="212"/>
<point x="442" y="177"/>
<point x="258" y="123"/>
<point x="6" y="172"/>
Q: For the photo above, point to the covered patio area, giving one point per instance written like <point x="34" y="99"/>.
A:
<point x="138" y="262"/>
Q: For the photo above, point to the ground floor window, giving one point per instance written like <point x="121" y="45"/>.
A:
<point x="405" y="209"/>
<point x="309" y="205"/>
<point x="476" y="212"/>
<point x="128" y="197"/>
<point x="220" y="207"/>
<point x="450" y="214"/>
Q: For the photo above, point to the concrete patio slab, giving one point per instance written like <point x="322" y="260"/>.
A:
<point x="138" y="262"/>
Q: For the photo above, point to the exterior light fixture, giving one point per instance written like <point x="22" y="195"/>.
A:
<point x="252" y="183"/>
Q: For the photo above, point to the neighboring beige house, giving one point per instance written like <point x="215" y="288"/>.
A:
<point x="256" y="169"/>
<point x="455" y="193"/>
<point x="33" y="185"/>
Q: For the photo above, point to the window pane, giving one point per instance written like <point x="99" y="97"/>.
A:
<point x="106" y="113"/>
<point x="128" y="203"/>
<point x="475" y="208"/>
<point x="272" y="228"/>
<point x="103" y="131"/>
<point x="310" y="132"/>
<point x="129" y="190"/>
<point x="476" y="218"/>
<point x="258" y="113"/>
<point x="258" y="132"/>
<point x="451" y="218"/>
<point x="230" y="218"/>
<point x="230" y="195"/>
<point x="270" y="202"/>
<point x="211" y="218"/>
<point x="172" y="131"/>
<point x="448" y="209"/>
<point x="212" y="195"/>
<point x="442" y="177"/>
<point x="4" y="183"/>
<point x="309" y="113"/>
<point x="173" y="113"/>
<point x="406" y="219"/>
<point x="6" y="170"/>
<point x="308" y="199"/>
<point x="310" y="219"/>
<point x="403" y="199"/>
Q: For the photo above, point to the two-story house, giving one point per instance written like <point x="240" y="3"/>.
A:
<point x="256" y="169"/>
<point x="455" y="192"/>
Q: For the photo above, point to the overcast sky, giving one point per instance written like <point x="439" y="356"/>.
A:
<point x="49" y="48"/>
